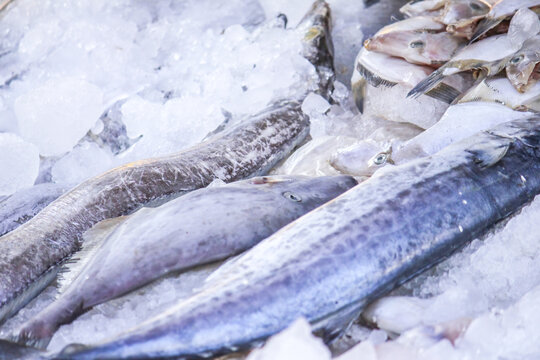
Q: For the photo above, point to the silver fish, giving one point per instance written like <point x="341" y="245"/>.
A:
<point x="26" y="203"/>
<point x="327" y="265"/>
<point x="205" y="225"/>
<point x="521" y="68"/>
<point x="29" y="255"/>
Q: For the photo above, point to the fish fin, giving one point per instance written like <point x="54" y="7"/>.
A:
<point x="373" y="79"/>
<point x="444" y="93"/>
<point x="11" y="350"/>
<point x="486" y="155"/>
<point x="427" y="84"/>
<point x="358" y="90"/>
<point x="93" y="238"/>
<point x="483" y="27"/>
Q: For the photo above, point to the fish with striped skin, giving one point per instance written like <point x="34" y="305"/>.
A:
<point x="203" y="226"/>
<point x="329" y="264"/>
<point x="30" y="255"/>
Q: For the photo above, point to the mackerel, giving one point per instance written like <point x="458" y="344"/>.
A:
<point x="329" y="264"/>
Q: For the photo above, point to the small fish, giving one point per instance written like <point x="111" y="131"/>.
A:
<point x="329" y="264"/>
<point x="422" y="7"/>
<point x="26" y="203"/>
<point x="422" y="42"/>
<point x="203" y="226"/>
<point x="500" y="11"/>
<point x="521" y="67"/>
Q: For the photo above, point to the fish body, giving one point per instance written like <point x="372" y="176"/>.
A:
<point x="460" y="13"/>
<point x="26" y="203"/>
<point x="501" y="91"/>
<point x="29" y="255"/>
<point x="203" y="226"/>
<point x="327" y="265"/>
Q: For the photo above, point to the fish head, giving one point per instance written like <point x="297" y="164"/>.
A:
<point x="421" y="7"/>
<point x="361" y="159"/>
<point x="462" y="12"/>
<point x="418" y="47"/>
<point x="304" y="191"/>
<point x="520" y="69"/>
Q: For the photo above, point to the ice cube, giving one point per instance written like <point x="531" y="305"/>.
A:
<point x="19" y="163"/>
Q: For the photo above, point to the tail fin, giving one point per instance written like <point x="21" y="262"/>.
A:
<point x="484" y="26"/>
<point x="444" y="93"/>
<point x="427" y="84"/>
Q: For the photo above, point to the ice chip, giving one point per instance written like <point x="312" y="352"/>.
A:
<point x="315" y="104"/>
<point x="19" y="163"/>
<point x="57" y="114"/>
<point x="294" y="343"/>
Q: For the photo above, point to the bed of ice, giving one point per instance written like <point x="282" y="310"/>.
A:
<point x="87" y="85"/>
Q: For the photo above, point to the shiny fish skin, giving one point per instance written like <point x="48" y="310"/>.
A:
<point x="327" y="265"/>
<point x="249" y="149"/>
<point x="205" y="225"/>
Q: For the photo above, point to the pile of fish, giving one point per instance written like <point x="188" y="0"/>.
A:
<point x="321" y="248"/>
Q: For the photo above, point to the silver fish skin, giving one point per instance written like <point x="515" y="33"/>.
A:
<point x="422" y="7"/>
<point x="26" y="203"/>
<point x="205" y="225"/>
<point x="521" y="68"/>
<point x="249" y="149"/>
<point x="29" y="255"/>
<point x="328" y="264"/>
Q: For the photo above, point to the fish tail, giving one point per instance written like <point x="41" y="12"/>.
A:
<point x="483" y="27"/>
<point x="444" y="93"/>
<point x="427" y="84"/>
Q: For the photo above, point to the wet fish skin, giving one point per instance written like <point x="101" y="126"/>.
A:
<point x="421" y="7"/>
<point x="329" y="264"/>
<point x="203" y="226"/>
<point x="521" y="67"/>
<point x="26" y="203"/>
<point x="459" y="13"/>
<point x="249" y="149"/>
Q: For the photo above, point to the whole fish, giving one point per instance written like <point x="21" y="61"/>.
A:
<point x="418" y="40"/>
<point x="26" y="203"/>
<point x="521" y="68"/>
<point x="29" y="255"/>
<point x="327" y="265"/>
<point x="205" y="225"/>
<point x="500" y="11"/>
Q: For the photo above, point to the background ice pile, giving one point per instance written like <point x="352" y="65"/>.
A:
<point x="91" y="84"/>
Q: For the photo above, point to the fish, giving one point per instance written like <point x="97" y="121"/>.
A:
<point x="521" y="69"/>
<point x="203" y="226"/>
<point x="422" y="7"/>
<point x="30" y="255"/>
<point x="26" y="203"/>
<point x="419" y="40"/>
<point x="367" y="156"/>
<point x="329" y="264"/>
<point x="500" y="11"/>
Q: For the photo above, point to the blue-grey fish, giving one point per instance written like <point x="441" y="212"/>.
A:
<point x="327" y="265"/>
<point x="29" y="255"/>
<point x="26" y="203"/>
<point x="205" y="225"/>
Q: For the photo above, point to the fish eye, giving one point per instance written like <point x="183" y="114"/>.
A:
<point x="516" y="59"/>
<point x="417" y="44"/>
<point x="293" y="197"/>
<point x="380" y="159"/>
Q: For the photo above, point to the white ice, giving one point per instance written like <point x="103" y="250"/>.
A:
<point x="19" y="163"/>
